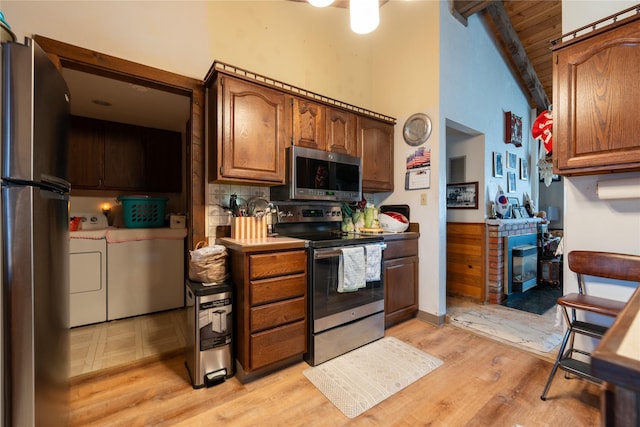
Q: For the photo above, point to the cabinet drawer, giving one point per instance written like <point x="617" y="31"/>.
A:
<point x="277" y="288"/>
<point x="401" y="248"/>
<point x="277" y="264"/>
<point x="277" y="344"/>
<point x="276" y="314"/>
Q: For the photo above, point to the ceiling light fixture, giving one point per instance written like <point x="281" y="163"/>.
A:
<point x="320" y="3"/>
<point x="365" y="15"/>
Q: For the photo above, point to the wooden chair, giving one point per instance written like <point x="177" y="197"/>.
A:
<point x="597" y="264"/>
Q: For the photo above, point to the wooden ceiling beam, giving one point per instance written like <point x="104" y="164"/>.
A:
<point x="463" y="9"/>
<point x="500" y="18"/>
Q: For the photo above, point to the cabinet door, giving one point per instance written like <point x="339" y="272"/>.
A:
<point x="401" y="293"/>
<point x="123" y="157"/>
<point x="86" y="153"/>
<point x="162" y="160"/>
<point x="251" y="136"/>
<point x="308" y="124"/>
<point x="341" y="131"/>
<point x="375" y="147"/>
<point x="596" y="103"/>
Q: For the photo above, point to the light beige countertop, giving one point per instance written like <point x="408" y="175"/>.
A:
<point x="266" y="243"/>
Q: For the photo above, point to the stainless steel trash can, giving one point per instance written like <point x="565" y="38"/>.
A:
<point x="210" y="329"/>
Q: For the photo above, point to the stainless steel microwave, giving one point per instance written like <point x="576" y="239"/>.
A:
<point x="320" y="175"/>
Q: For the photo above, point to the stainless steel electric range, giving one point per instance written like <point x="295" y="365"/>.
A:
<point x="338" y="321"/>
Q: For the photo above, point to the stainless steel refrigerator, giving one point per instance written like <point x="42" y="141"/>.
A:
<point x="35" y="238"/>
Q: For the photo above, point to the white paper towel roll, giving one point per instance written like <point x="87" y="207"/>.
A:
<point x="628" y="188"/>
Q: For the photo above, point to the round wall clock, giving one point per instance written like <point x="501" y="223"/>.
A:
<point x="417" y="129"/>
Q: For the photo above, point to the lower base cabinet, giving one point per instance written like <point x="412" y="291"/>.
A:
<point x="270" y="309"/>
<point x="400" y="278"/>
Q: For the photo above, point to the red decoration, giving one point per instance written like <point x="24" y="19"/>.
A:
<point x="512" y="129"/>
<point x="542" y="130"/>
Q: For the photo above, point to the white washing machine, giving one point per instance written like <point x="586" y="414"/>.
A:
<point x="145" y="270"/>
<point x="88" y="271"/>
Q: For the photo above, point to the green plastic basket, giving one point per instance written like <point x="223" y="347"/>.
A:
<point x="143" y="211"/>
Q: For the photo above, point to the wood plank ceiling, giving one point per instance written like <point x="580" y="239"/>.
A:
<point x="524" y="30"/>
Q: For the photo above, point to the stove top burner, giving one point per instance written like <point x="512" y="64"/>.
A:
<point x="319" y="224"/>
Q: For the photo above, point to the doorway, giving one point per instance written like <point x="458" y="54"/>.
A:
<point x="120" y="71"/>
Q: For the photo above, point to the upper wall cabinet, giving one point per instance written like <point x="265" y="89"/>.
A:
<point x="248" y="135"/>
<point x="106" y="155"/>
<point x="596" y="93"/>
<point x="308" y="124"/>
<point x="341" y="131"/>
<point x="323" y="127"/>
<point x="375" y="147"/>
<point x="252" y="119"/>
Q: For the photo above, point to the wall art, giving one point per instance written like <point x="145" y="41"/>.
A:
<point x="462" y="196"/>
<point x="512" y="129"/>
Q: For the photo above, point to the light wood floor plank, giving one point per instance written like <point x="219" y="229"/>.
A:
<point x="482" y="382"/>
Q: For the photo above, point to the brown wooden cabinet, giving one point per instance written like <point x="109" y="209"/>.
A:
<point x="323" y="127"/>
<point x="249" y="131"/>
<point x="596" y="93"/>
<point x="106" y="155"/>
<point x="400" y="262"/>
<point x="465" y="260"/>
<point x="341" y="131"/>
<point x="308" y="124"/>
<point x="270" y="308"/>
<point x="375" y="147"/>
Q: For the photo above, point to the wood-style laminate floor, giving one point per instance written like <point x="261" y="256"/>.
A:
<point x="481" y="383"/>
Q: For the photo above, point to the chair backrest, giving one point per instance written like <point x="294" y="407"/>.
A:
<point x="604" y="264"/>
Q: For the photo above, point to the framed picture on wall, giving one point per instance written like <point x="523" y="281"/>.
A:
<point x="524" y="169"/>
<point x="511" y="182"/>
<point x="497" y="164"/>
<point x="462" y="196"/>
<point x="512" y="160"/>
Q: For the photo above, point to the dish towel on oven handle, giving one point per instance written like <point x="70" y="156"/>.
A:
<point x="373" y="254"/>
<point x="351" y="269"/>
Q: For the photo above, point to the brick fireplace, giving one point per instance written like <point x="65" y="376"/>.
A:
<point x="497" y="258"/>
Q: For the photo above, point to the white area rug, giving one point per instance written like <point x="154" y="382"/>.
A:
<point x="364" y="377"/>
<point x="528" y="335"/>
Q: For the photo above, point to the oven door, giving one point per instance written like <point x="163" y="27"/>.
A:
<point x="331" y="308"/>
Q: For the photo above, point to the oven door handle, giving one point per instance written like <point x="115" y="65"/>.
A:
<point x="333" y="252"/>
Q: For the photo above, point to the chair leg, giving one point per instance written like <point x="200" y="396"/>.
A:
<point x="565" y="340"/>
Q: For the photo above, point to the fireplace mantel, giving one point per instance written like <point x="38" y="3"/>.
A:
<point x="498" y="221"/>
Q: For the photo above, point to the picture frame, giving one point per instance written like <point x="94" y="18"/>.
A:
<point x="514" y="202"/>
<point x="517" y="214"/>
<point x="512" y="129"/>
<point x="523" y="212"/>
<point x="497" y="165"/>
<point x="462" y="196"/>
<point x="511" y="182"/>
<point x="512" y="160"/>
<point x="524" y="169"/>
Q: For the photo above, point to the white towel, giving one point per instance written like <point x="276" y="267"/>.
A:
<point x="351" y="269"/>
<point x="374" y="257"/>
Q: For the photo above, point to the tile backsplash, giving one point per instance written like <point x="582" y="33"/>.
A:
<point x="218" y="196"/>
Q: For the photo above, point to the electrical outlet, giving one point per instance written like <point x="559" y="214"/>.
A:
<point x="423" y="198"/>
